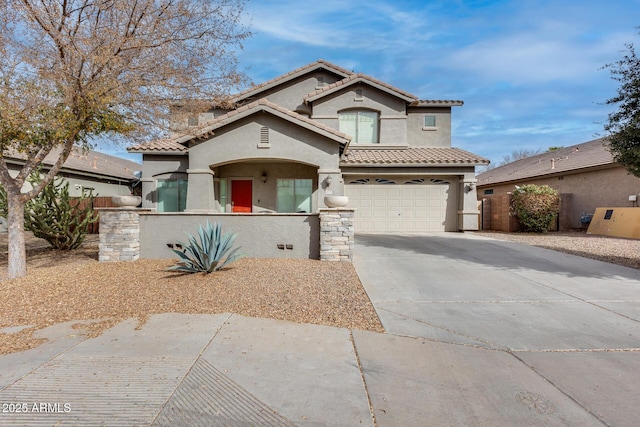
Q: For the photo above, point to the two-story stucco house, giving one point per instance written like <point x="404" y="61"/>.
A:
<point x="284" y="144"/>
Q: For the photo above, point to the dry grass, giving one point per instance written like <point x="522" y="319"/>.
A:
<point x="66" y="287"/>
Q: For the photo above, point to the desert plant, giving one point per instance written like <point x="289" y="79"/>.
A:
<point x="209" y="251"/>
<point x="535" y="207"/>
<point x="54" y="216"/>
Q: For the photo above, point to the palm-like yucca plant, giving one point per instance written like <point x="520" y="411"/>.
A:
<point x="209" y="251"/>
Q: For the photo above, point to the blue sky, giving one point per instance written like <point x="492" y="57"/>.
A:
<point x="529" y="72"/>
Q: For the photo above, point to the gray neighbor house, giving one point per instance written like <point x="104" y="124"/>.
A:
<point x="265" y="161"/>
<point x="104" y="174"/>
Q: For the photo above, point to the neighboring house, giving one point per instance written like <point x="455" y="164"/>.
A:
<point x="585" y="175"/>
<point x="283" y="145"/>
<point x="86" y="169"/>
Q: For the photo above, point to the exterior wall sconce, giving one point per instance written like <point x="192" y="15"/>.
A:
<point x="471" y="186"/>
<point x="327" y="181"/>
<point x="264" y="177"/>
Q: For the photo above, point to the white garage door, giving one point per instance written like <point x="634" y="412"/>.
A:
<point x="383" y="205"/>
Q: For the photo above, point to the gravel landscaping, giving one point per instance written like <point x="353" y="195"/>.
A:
<point x="70" y="286"/>
<point x="615" y="250"/>
<point x="67" y="287"/>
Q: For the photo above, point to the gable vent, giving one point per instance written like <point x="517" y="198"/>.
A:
<point x="264" y="137"/>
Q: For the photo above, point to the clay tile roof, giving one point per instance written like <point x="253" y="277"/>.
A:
<point x="411" y="156"/>
<point x="576" y="157"/>
<point x="167" y="145"/>
<point x="320" y="63"/>
<point x="437" y="103"/>
<point x="354" y="78"/>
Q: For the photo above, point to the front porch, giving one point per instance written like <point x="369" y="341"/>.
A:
<point x="260" y="186"/>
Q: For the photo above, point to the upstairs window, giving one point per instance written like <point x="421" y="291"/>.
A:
<point x="361" y="125"/>
<point x="429" y="121"/>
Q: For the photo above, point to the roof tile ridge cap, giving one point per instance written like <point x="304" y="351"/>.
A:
<point x="385" y="84"/>
<point x="334" y="66"/>
<point x="273" y="80"/>
<point x="328" y="87"/>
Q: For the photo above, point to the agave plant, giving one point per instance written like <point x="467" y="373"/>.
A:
<point x="209" y="251"/>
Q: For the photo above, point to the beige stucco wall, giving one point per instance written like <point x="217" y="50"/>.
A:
<point x="605" y="187"/>
<point x="419" y="136"/>
<point x="258" y="234"/>
<point x="241" y="141"/>
<point x="393" y="118"/>
<point x="236" y="151"/>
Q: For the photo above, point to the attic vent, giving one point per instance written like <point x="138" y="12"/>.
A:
<point x="358" y="95"/>
<point x="320" y="82"/>
<point x="264" y="138"/>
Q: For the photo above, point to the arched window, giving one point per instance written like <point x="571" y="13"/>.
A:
<point x="361" y="125"/>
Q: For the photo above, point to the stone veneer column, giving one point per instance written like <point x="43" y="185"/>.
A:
<point x="119" y="234"/>
<point x="336" y="234"/>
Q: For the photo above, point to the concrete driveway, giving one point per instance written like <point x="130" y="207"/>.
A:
<point x="505" y="325"/>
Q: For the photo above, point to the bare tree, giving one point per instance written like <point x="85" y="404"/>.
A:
<point x="75" y="69"/>
<point x="518" y="154"/>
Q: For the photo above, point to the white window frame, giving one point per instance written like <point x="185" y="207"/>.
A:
<point x="432" y="119"/>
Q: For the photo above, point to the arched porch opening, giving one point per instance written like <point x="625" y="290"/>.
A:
<point x="265" y="186"/>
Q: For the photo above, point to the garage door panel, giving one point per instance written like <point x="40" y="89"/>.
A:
<point x="388" y="207"/>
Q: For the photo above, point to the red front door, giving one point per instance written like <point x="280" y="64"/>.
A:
<point x="241" y="197"/>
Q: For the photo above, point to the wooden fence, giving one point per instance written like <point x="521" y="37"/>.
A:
<point x="98" y="202"/>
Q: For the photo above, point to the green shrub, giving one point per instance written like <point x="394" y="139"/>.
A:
<point x="535" y="207"/>
<point x="54" y="216"/>
<point x="209" y="252"/>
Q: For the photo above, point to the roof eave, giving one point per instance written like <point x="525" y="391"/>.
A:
<point x="404" y="97"/>
<point x="436" y="103"/>
<point x="412" y="165"/>
<point x="553" y="173"/>
<point x="166" y="152"/>
<point x="285" y="78"/>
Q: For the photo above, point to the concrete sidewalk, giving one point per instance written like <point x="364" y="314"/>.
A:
<point x="230" y="370"/>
